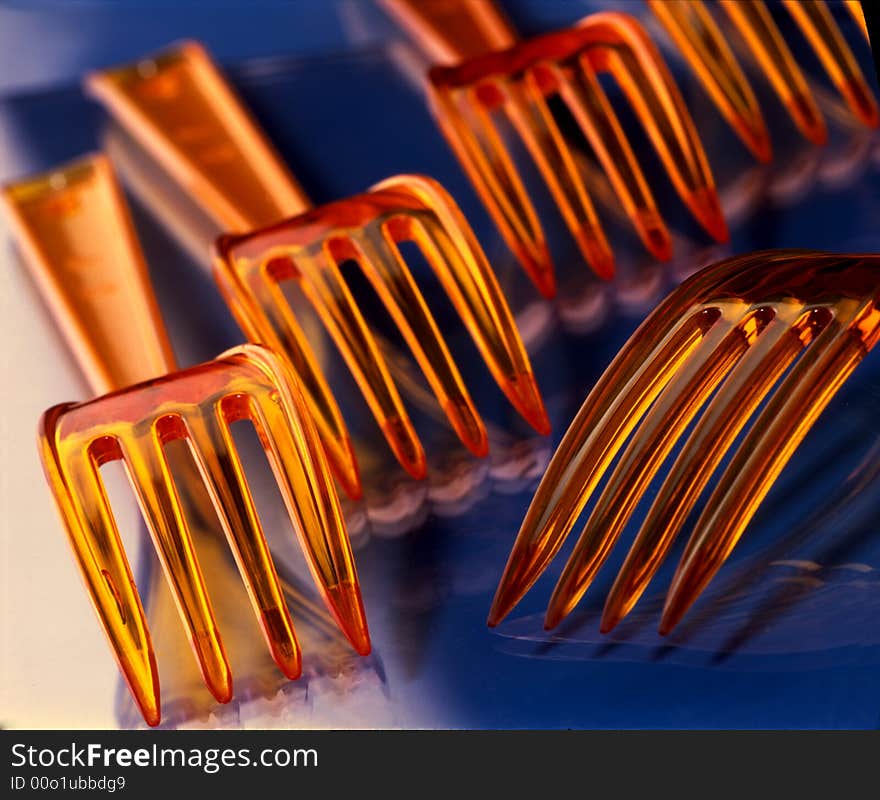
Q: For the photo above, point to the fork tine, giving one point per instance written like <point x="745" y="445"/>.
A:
<point x="287" y="432"/>
<point x="755" y="374"/>
<point x="534" y="121"/>
<point x="211" y="443"/>
<point x="381" y="261"/>
<point x="484" y="156"/>
<point x="150" y="477"/>
<point x="815" y="20"/>
<point x="106" y="573"/>
<point x="698" y="37"/>
<point x="766" y="449"/>
<point x="764" y="39"/>
<point x="679" y="402"/>
<point x="454" y="254"/>
<point x="644" y="77"/>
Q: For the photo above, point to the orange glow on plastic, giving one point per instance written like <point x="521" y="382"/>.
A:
<point x="97" y="285"/>
<point x="367" y="229"/>
<point x="729" y="334"/>
<point x="180" y="108"/>
<point x="74" y="230"/>
<point x="858" y="14"/>
<point x="199" y="405"/>
<point x="264" y="315"/>
<point x="703" y="45"/>
<point x="519" y="81"/>
<point x="452" y="30"/>
<point x="188" y="117"/>
<point x="696" y="34"/>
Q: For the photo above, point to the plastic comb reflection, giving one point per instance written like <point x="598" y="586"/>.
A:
<point x="702" y="43"/>
<point x="366" y="229"/>
<point x="518" y="86"/>
<point x="794" y="321"/>
<point x="63" y="220"/>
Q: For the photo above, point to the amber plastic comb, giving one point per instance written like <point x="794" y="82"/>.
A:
<point x="155" y="103"/>
<point x="701" y="41"/>
<point x="729" y="333"/>
<point x="367" y="229"/>
<point x="518" y="84"/>
<point x="74" y="229"/>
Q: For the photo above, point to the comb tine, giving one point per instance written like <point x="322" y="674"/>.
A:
<point x="547" y="522"/>
<point x="698" y="37"/>
<point x="611" y="411"/>
<point x="327" y="291"/>
<point x="151" y="479"/>
<point x="484" y="156"/>
<point x="264" y="315"/>
<point x="765" y="451"/>
<point x="379" y="257"/>
<point x="764" y="39"/>
<point x="547" y="146"/>
<point x="670" y="415"/>
<point x="91" y="528"/>
<point x="290" y="439"/>
<point x="458" y="261"/>
<point x="650" y="88"/>
<point x="592" y="110"/>
<point x="858" y="14"/>
<point x="750" y="380"/>
<point x="214" y="451"/>
<point x="815" y="20"/>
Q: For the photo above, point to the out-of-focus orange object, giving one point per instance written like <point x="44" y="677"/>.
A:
<point x="779" y="328"/>
<point x="366" y="229"/>
<point x="702" y="43"/>
<point x="191" y="120"/>
<point x="858" y="14"/>
<point x="452" y="30"/>
<point x="78" y="240"/>
<point x="516" y="85"/>
<point x="96" y="285"/>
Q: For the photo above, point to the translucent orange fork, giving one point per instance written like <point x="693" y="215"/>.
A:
<point x="179" y="107"/>
<point x="695" y="32"/>
<point x="74" y="229"/>
<point x="733" y="329"/>
<point x="516" y="84"/>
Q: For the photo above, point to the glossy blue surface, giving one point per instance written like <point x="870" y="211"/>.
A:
<point x="788" y="635"/>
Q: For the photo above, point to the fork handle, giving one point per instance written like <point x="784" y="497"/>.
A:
<point x="450" y="31"/>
